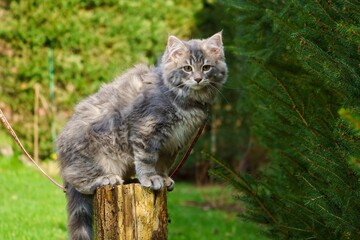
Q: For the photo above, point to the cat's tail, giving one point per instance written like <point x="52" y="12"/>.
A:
<point x="80" y="211"/>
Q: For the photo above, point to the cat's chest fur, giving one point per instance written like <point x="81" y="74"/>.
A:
<point x="184" y="128"/>
<point x="164" y="120"/>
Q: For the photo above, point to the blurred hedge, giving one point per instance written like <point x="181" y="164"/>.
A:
<point x="92" y="41"/>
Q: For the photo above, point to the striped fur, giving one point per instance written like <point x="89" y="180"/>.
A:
<point x="136" y="125"/>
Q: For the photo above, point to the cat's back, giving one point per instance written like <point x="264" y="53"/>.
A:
<point x="113" y="100"/>
<point x="129" y="85"/>
<point x="118" y="95"/>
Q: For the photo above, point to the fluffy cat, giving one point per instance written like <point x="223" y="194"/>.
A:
<point x="136" y="125"/>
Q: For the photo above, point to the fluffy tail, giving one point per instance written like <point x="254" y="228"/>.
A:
<point x="80" y="211"/>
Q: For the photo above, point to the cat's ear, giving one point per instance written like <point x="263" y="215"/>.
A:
<point x="175" y="47"/>
<point x="214" y="44"/>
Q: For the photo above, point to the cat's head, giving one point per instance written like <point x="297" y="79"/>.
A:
<point x="196" y="68"/>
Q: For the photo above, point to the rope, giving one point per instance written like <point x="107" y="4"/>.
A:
<point x="13" y="134"/>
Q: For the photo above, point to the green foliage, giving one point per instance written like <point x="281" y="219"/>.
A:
<point x="352" y="128"/>
<point x="352" y="119"/>
<point x="92" y="41"/>
<point x="302" y="68"/>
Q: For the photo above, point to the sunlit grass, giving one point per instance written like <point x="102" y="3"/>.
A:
<point x="31" y="207"/>
<point x="194" y="214"/>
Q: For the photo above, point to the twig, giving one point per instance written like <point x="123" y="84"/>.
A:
<point x="188" y="151"/>
<point x="13" y="134"/>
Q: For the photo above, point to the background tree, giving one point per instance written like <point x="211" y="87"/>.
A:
<point x="302" y="68"/>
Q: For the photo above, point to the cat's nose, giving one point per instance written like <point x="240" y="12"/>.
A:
<point x="198" y="80"/>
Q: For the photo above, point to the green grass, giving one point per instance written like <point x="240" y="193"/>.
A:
<point x="193" y="215"/>
<point x="31" y="207"/>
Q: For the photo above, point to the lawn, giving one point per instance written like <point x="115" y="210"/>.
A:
<point x="31" y="207"/>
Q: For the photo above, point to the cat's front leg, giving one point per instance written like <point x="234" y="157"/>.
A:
<point x="148" y="134"/>
<point x="146" y="156"/>
<point x="147" y="175"/>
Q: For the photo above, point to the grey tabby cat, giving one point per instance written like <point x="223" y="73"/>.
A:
<point x="136" y="125"/>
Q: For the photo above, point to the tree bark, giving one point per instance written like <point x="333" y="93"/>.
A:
<point x="130" y="212"/>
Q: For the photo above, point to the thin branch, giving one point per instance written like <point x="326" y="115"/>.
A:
<point x="294" y="106"/>
<point x="13" y="134"/>
<point x="248" y="188"/>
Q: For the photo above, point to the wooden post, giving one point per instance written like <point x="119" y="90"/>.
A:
<point x="36" y="122"/>
<point x="130" y="212"/>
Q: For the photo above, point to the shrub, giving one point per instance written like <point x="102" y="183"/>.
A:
<point x="87" y="42"/>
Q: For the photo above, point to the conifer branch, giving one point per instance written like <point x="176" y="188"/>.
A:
<point x="326" y="170"/>
<point x="321" y="58"/>
<point x="313" y="187"/>
<point x="324" y="209"/>
<point x="247" y="187"/>
<point x="282" y="86"/>
<point x="295" y="216"/>
<point x="300" y="206"/>
<point x="326" y="13"/>
<point x="297" y="229"/>
<point x="287" y="27"/>
<point x="271" y="95"/>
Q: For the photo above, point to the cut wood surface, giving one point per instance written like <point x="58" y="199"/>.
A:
<point x="130" y="212"/>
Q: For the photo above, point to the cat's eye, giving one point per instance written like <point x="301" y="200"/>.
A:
<point x="206" y="68"/>
<point x="187" y="68"/>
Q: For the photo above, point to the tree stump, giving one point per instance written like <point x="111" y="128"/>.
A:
<point x="130" y="212"/>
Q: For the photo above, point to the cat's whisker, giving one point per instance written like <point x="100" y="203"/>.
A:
<point x="212" y="87"/>
<point x="176" y="97"/>
<point x="230" y="87"/>
<point x="175" y="88"/>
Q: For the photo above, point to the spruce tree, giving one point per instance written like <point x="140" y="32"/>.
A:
<point x="301" y="98"/>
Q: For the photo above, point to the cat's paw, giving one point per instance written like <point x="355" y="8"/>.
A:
<point x="110" y="179"/>
<point x="155" y="182"/>
<point x="169" y="183"/>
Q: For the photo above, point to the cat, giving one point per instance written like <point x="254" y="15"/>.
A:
<point x="137" y="124"/>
